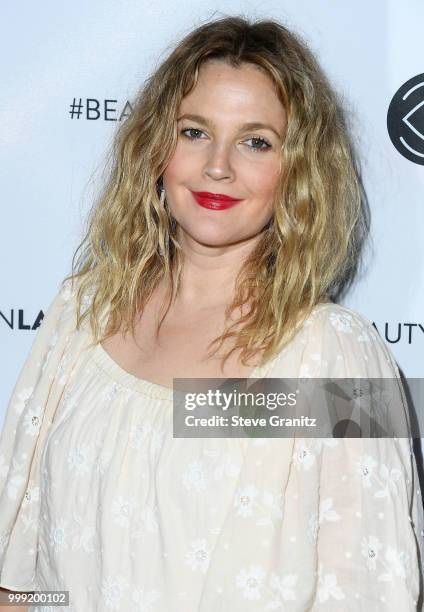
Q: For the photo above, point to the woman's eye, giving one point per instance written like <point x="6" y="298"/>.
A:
<point x="196" y="130"/>
<point x="195" y="133"/>
<point x="260" y="141"/>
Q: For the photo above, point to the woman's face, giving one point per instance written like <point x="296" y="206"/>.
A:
<point x="219" y="153"/>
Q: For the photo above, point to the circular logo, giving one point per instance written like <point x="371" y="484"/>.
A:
<point x="405" y="119"/>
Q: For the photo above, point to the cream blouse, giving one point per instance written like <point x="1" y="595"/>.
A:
<point x="98" y="498"/>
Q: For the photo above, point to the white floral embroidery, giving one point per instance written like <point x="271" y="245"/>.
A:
<point x="271" y="508"/>
<point x="364" y="336"/>
<point x="157" y="439"/>
<point x="194" y="477"/>
<point x="325" y="513"/>
<point x="397" y="564"/>
<point x="32" y="495"/>
<point x="198" y="556"/>
<point x="58" y="535"/>
<point x="328" y="587"/>
<point x="284" y="587"/>
<point x="365" y="466"/>
<point x="84" y="539"/>
<point x="390" y="478"/>
<point x="32" y="421"/>
<point x="113" y="589"/>
<point x="245" y="500"/>
<point x="384" y="478"/>
<point x="303" y="459"/>
<point x="370" y="549"/>
<point x="22" y="399"/>
<point x="250" y="580"/>
<point x="226" y="467"/>
<point x="110" y="391"/>
<point x="123" y="509"/>
<point x="341" y="321"/>
<point x="78" y="460"/>
<point x="15" y="481"/>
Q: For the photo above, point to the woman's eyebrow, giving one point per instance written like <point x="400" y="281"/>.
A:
<point x="252" y="125"/>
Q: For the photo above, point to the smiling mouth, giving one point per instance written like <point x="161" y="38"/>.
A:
<point x="214" y="201"/>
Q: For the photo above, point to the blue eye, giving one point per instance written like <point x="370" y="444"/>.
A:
<point x="261" y="141"/>
<point x="191" y="130"/>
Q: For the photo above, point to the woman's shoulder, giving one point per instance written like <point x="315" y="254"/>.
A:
<point x="339" y="341"/>
<point x="62" y="310"/>
<point x="341" y="317"/>
<point x="329" y="319"/>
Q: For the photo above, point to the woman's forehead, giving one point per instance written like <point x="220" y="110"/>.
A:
<point x="222" y="88"/>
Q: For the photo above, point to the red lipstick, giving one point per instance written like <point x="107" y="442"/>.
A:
<point x="214" y="201"/>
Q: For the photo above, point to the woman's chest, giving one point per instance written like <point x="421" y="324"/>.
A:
<point x="182" y="349"/>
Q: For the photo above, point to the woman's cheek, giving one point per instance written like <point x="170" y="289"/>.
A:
<point x="264" y="181"/>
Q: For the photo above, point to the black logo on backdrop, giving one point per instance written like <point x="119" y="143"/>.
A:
<point x="405" y="119"/>
<point x="18" y="320"/>
<point x="92" y="109"/>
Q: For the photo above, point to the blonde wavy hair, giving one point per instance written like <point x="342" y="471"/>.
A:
<point x="308" y="251"/>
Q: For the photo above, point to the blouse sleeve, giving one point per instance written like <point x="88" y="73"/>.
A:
<point x="370" y="522"/>
<point x="28" y="416"/>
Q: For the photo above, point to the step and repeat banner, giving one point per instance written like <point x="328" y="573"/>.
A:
<point x="68" y="83"/>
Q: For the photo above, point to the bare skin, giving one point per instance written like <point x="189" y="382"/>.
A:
<point x="219" y="155"/>
<point x="180" y="349"/>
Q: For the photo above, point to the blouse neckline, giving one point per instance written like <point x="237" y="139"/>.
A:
<point x="147" y="387"/>
<point x="118" y="374"/>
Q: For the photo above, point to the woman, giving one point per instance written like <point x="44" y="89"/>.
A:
<point x="233" y="212"/>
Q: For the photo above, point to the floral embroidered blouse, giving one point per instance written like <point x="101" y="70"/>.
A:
<point x="99" y="499"/>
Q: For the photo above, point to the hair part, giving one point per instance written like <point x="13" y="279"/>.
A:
<point x="308" y="252"/>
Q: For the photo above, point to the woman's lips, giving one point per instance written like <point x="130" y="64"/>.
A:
<point x="214" y="201"/>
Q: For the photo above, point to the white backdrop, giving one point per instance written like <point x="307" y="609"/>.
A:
<point x="50" y="163"/>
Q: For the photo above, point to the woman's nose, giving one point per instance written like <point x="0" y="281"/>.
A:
<point x="218" y="164"/>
